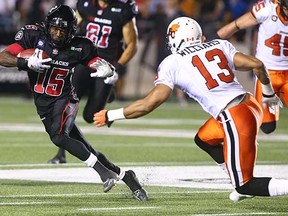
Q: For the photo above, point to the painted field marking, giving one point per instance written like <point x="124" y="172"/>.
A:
<point x="236" y="214"/>
<point x="26" y="203"/>
<point x="106" y="194"/>
<point x="116" y="209"/>
<point x="131" y="132"/>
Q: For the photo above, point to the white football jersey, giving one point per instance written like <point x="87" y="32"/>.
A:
<point x="205" y="73"/>
<point x="272" y="44"/>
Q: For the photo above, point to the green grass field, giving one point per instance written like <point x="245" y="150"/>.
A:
<point x="24" y="146"/>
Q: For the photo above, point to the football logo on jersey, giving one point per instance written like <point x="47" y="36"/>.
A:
<point x="19" y="35"/>
<point x="173" y="30"/>
<point x="40" y="44"/>
<point x="55" y="51"/>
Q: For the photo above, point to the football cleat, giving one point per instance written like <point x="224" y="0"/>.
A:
<point x="57" y="160"/>
<point x="109" y="184"/>
<point x="140" y="195"/>
<point x="236" y="197"/>
<point x="132" y="182"/>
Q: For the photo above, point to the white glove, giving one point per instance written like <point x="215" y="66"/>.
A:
<point x="36" y="63"/>
<point x="111" y="80"/>
<point x="273" y="102"/>
<point x="103" y="69"/>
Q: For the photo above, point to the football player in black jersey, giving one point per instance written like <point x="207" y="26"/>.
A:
<point x="111" y="25"/>
<point x="54" y="94"/>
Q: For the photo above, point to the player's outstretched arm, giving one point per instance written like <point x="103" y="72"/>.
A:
<point x="158" y="95"/>
<point x="245" y="21"/>
<point x="246" y="62"/>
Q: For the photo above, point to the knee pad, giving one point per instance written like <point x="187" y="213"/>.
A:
<point x="269" y="127"/>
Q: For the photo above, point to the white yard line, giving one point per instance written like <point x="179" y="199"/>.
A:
<point x="209" y="191"/>
<point x="209" y="177"/>
<point x="118" y="208"/>
<point x="26" y="203"/>
<point x="130" y="132"/>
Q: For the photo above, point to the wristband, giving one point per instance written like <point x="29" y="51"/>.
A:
<point x="267" y="89"/>
<point x="116" y="114"/>
<point x="22" y="64"/>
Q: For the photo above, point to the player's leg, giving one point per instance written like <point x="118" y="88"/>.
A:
<point x="284" y="88"/>
<point x="99" y="93"/>
<point x="128" y="177"/>
<point x="81" y="81"/>
<point x="59" y="125"/>
<point x="59" y="158"/>
<point x="120" y="84"/>
<point x="240" y="147"/>
<point x="210" y="138"/>
<point x="269" y="122"/>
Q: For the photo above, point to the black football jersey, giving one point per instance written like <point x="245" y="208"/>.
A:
<point x="104" y="25"/>
<point x="55" y="83"/>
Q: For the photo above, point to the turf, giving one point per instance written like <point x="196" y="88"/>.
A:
<point x="31" y="149"/>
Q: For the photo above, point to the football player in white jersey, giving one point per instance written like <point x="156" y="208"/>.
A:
<point x="272" y="48"/>
<point x="204" y="70"/>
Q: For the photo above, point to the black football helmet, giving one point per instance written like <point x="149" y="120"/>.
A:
<point x="64" y="17"/>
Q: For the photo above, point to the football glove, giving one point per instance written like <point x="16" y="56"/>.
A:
<point x="120" y="69"/>
<point x="101" y="119"/>
<point x="103" y="68"/>
<point x="273" y="102"/>
<point x="111" y="80"/>
<point x="36" y="63"/>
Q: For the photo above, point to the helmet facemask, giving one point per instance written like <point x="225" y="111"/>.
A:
<point x="64" y="18"/>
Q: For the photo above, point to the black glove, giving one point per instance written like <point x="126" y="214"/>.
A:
<point x="120" y="69"/>
<point x="22" y="64"/>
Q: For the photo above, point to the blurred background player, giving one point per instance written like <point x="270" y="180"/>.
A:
<point x="111" y="25"/>
<point x="272" y="44"/>
<point x="204" y="70"/>
<point x="54" y="94"/>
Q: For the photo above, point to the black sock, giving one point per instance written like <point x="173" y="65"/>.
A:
<point x="104" y="172"/>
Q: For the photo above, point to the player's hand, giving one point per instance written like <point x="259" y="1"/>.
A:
<point x="120" y="69"/>
<point x="111" y="80"/>
<point x="103" y="68"/>
<point x="101" y="119"/>
<point x="36" y="63"/>
<point x="273" y="102"/>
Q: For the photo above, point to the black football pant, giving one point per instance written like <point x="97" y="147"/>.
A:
<point x="60" y="124"/>
<point x="98" y="92"/>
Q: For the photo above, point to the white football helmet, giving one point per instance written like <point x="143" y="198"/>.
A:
<point x="183" y="32"/>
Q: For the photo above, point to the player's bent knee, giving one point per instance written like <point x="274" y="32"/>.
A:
<point x="203" y="145"/>
<point x="88" y="117"/>
<point x="59" y="140"/>
<point x="268" y="128"/>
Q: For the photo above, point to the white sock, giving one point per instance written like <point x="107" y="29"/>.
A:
<point x="278" y="187"/>
<point x="121" y="175"/>
<point x="223" y="167"/>
<point x="91" y="160"/>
